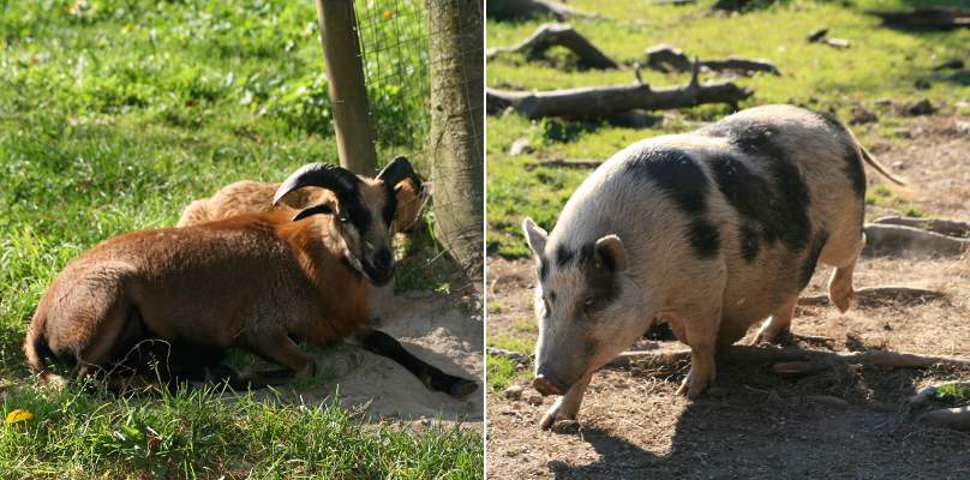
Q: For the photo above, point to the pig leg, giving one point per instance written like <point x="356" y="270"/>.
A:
<point x="778" y="326"/>
<point x="699" y="332"/>
<point x="844" y="260"/>
<point x="567" y="406"/>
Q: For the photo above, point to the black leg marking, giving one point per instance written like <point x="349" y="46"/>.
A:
<point x="385" y="345"/>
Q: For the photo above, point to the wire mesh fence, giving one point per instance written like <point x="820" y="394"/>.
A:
<point x="394" y="45"/>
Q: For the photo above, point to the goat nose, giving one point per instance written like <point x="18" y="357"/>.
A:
<point x="383" y="259"/>
<point x="544" y="386"/>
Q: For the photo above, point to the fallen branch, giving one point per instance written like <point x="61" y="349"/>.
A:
<point x="508" y="354"/>
<point x="552" y="34"/>
<point x="598" y="102"/>
<point x="954" y="418"/>
<point x="952" y="228"/>
<point x="932" y="18"/>
<point x="525" y="9"/>
<point x="670" y="59"/>
<point x="897" y="239"/>
<point x="873" y="296"/>
<point x="562" y="163"/>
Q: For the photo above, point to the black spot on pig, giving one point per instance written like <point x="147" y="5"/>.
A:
<point x="677" y="174"/>
<point x="704" y="238"/>
<point x="808" y="267"/>
<point x="682" y="179"/>
<point x="779" y="202"/>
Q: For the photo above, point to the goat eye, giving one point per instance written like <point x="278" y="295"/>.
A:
<point x="589" y="304"/>
<point x="344" y="219"/>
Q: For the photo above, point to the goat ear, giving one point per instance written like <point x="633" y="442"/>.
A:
<point x="321" y="208"/>
<point x="610" y="253"/>
<point x="535" y="236"/>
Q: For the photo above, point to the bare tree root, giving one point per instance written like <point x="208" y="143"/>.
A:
<point x="605" y="101"/>
<point x="670" y="59"/>
<point x="897" y="239"/>
<point x="553" y="34"/>
<point x="954" y="418"/>
<point x="874" y="296"/>
<point x="952" y="228"/>
<point x="525" y="9"/>
<point x="798" y="362"/>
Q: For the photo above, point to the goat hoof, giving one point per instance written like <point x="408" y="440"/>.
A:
<point x="461" y="388"/>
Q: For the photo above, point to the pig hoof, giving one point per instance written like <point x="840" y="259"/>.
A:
<point x="694" y="385"/>
<point x="550" y="418"/>
<point x="842" y="301"/>
<point x="773" y="338"/>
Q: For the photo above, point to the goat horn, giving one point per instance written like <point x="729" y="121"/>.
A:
<point x="398" y="170"/>
<point x="336" y="179"/>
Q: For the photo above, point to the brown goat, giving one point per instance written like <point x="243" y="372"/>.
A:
<point x="248" y="196"/>
<point x="253" y="281"/>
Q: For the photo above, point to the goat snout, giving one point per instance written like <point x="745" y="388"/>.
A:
<point x="380" y="268"/>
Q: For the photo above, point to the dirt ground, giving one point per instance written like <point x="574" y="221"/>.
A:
<point x="847" y="423"/>
<point x="433" y="327"/>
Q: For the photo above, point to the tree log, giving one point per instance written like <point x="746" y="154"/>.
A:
<point x="525" y="9"/>
<point x="552" y="34"/>
<point x="666" y="58"/>
<point x="870" y="296"/>
<point x="952" y="228"/>
<point x="598" y="102"/>
<point x="897" y="239"/>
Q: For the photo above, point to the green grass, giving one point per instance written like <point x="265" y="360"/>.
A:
<point x="114" y="115"/>
<point x="881" y="63"/>
<point x="188" y="435"/>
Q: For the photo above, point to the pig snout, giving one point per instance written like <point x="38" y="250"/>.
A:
<point x="546" y="387"/>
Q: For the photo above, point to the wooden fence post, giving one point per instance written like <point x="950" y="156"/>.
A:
<point x="345" y="75"/>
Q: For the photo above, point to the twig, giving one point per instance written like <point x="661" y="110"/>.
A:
<point x="563" y="163"/>
<point x="508" y="354"/>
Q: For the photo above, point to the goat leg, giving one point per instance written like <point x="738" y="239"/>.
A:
<point x="385" y="345"/>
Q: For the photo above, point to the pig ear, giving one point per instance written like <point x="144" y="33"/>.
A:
<point x="535" y="236"/>
<point x="611" y="254"/>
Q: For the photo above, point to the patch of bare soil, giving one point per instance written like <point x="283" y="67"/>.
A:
<point x="845" y="423"/>
<point x="435" y="328"/>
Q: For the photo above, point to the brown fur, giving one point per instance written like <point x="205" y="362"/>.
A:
<point x="251" y="281"/>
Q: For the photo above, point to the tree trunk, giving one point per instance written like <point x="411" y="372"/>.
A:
<point x="455" y="144"/>
<point x="345" y="76"/>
